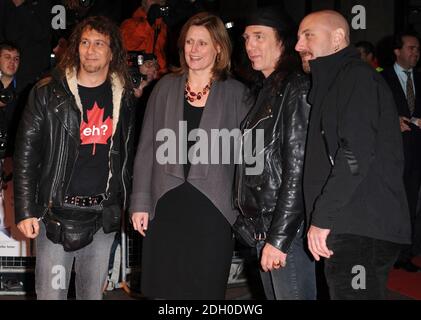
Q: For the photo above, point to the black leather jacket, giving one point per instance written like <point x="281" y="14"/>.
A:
<point x="47" y="147"/>
<point x="273" y="200"/>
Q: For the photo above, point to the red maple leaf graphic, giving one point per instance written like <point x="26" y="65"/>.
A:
<point x="96" y="130"/>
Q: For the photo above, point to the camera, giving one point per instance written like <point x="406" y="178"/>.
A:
<point x="135" y="60"/>
<point x="176" y="12"/>
<point x="156" y="11"/>
<point x="7" y="95"/>
<point x="164" y="11"/>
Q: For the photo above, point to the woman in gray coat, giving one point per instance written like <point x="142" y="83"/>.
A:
<point x="184" y="169"/>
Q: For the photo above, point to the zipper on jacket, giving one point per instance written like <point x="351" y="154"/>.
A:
<point x="58" y="171"/>
<point x="122" y="171"/>
<point x="240" y="180"/>
<point x="60" y="160"/>
<point x="73" y="170"/>
<point x="332" y="161"/>
<point x="44" y="213"/>
<point x="246" y="131"/>
<point x="126" y="149"/>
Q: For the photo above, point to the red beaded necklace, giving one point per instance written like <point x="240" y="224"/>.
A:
<point x="193" y="96"/>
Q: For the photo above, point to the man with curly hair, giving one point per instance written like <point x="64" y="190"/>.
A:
<point x="73" y="161"/>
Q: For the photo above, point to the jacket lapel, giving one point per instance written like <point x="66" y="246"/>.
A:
<point x="211" y="119"/>
<point x="398" y="91"/>
<point x="173" y="115"/>
<point x="68" y="119"/>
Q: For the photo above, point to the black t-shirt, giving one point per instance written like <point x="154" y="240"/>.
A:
<point x="90" y="174"/>
<point x="192" y="115"/>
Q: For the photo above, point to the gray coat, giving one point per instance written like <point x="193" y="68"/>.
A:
<point x="225" y="109"/>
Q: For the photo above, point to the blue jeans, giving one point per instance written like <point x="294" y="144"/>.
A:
<point x="295" y="281"/>
<point x="54" y="266"/>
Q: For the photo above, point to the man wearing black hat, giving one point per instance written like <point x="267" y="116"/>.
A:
<point x="271" y="203"/>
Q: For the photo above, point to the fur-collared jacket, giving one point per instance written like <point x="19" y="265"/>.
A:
<point x="48" y="141"/>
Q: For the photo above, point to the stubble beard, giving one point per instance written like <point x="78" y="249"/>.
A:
<point x="90" y="68"/>
<point x="306" y="66"/>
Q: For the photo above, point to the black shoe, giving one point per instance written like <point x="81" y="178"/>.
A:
<point x="408" y="266"/>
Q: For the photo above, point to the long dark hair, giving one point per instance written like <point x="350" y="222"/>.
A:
<point x="105" y="26"/>
<point x="288" y="62"/>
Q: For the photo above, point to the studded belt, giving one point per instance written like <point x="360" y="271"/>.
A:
<point x="85" y="201"/>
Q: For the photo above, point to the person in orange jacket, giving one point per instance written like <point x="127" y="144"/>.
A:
<point x="144" y="31"/>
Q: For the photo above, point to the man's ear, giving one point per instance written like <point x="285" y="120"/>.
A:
<point x="281" y="48"/>
<point x="339" y="37"/>
<point x="397" y="52"/>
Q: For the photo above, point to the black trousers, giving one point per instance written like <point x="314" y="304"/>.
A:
<point x="412" y="181"/>
<point x="359" y="266"/>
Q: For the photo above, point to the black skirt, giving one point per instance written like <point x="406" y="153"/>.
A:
<point x="188" y="248"/>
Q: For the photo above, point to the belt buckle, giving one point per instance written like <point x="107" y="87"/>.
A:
<point x="78" y="201"/>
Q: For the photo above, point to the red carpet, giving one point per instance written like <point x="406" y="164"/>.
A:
<point x="406" y="283"/>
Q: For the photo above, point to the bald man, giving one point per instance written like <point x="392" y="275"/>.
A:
<point x="355" y="198"/>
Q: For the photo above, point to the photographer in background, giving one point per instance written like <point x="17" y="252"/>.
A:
<point x="146" y="31"/>
<point x="77" y="10"/>
<point x="143" y="69"/>
<point x="27" y="23"/>
<point x="9" y="64"/>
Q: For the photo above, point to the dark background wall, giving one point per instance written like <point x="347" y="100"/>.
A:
<point x="380" y="13"/>
<point x="383" y="17"/>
